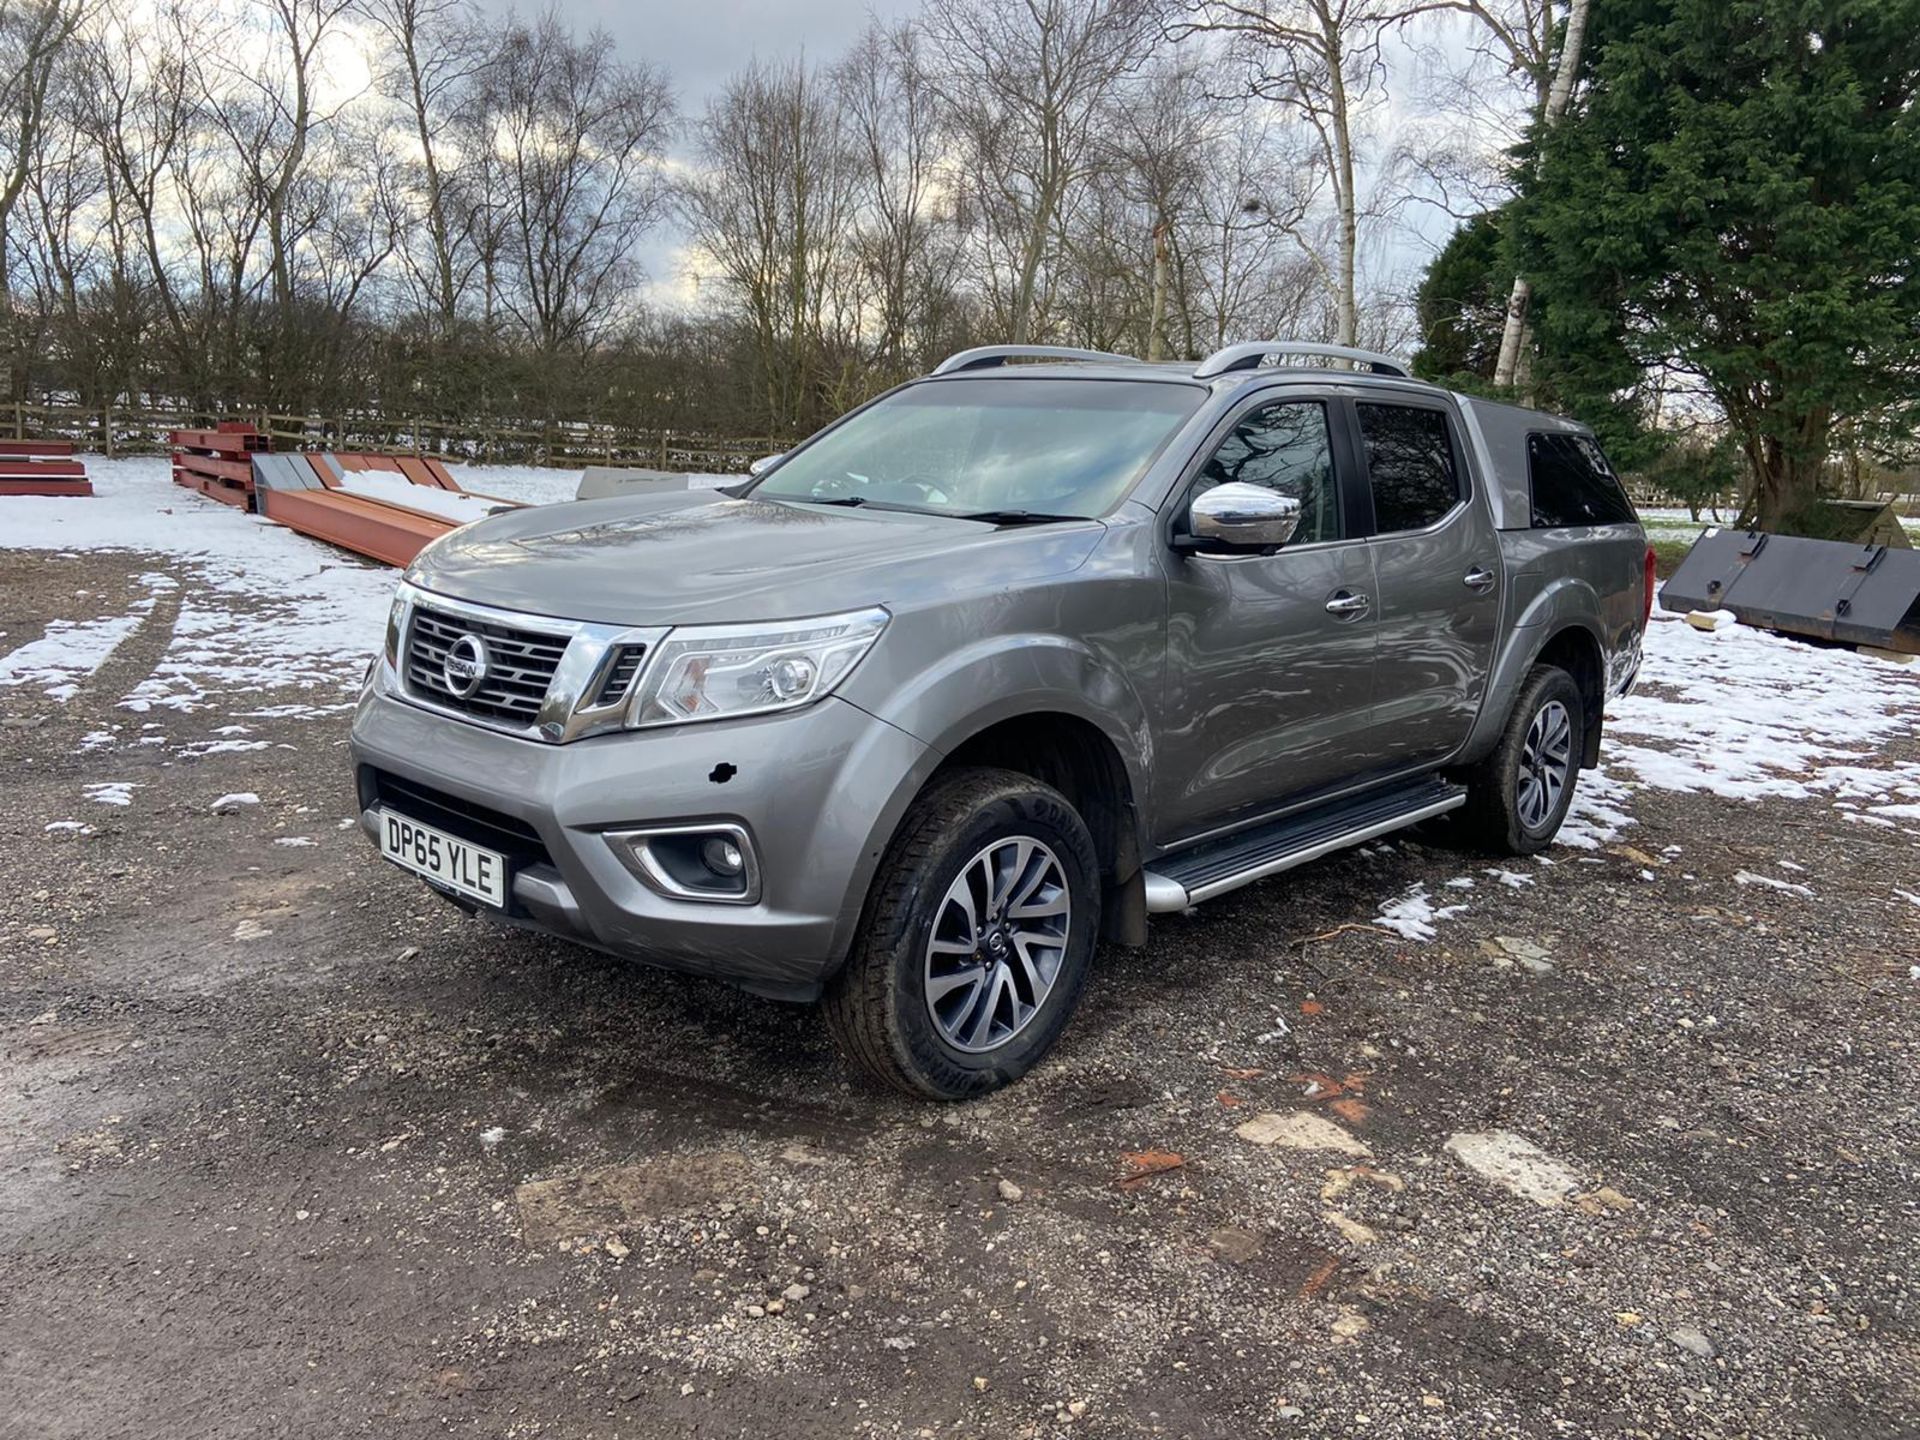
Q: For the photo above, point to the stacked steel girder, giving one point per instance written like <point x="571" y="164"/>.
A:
<point x="41" y="467"/>
<point x="303" y="493"/>
<point x="234" y="464"/>
<point x="217" y="462"/>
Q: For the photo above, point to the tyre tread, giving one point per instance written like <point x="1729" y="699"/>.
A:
<point x="859" y="1002"/>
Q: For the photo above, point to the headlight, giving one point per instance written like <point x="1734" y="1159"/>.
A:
<point x="396" y="622"/>
<point x="715" y="672"/>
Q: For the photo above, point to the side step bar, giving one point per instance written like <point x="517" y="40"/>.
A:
<point x="1214" y="867"/>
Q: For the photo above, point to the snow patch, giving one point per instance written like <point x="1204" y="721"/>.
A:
<point x="69" y="652"/>
<point x="1414" y="915"/>
<point x="429" y="499"/>
<point x="1747" y="877"/>
<point x="1747" y="714"/>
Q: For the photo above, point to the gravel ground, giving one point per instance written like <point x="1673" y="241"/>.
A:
<point x="290" y="1148"/>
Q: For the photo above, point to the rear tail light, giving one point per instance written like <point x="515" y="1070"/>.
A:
<point x="1646" y="601"/>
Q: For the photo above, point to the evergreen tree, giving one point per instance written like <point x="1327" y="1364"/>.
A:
<point x="1461" y="303"/>
<point x="1738" y="193"/>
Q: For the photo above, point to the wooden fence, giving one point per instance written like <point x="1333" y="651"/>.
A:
<point x="568" y="445"/>
<point x="118" y="430"/>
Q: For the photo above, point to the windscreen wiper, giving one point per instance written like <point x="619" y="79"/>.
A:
<point x="850" y="502"/>
<point x="1017" y="517"/>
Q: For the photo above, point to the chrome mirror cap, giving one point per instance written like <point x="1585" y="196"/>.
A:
<point x="1248" y="517"/>
<point x="762" y="463"/>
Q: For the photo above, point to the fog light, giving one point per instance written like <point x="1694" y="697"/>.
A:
<point x="723" y="857"/>
<point x="711" y="862"/>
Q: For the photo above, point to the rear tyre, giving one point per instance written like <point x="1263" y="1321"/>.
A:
<point x="1518" y="796"/>
<point x="976" y="940"/>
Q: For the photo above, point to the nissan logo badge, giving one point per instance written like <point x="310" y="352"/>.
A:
<point x="466" y="665"/>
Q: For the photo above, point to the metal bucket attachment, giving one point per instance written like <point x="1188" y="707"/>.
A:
<point x="1857" y="594"/>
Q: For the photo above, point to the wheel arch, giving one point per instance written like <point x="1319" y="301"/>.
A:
<point x="1071" y="753"/>
<point x="1562" y="626"/>
<point x="1576" y="650"/>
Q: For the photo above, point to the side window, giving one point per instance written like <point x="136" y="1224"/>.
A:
<point x="1409" y="465"/>
<point x="1283" y="447"/>
<point x="1572" y="483"/>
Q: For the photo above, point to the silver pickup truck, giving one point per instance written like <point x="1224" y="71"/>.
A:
<point x="997" y="666"/>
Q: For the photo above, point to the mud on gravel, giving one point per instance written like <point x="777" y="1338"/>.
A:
<point x="288" y="1147"/>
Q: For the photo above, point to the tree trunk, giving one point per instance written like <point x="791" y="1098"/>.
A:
<point x="1785" y="485"/>
<point x="1157" y="323"/>
<point x="1346" y="300"/>
<point x="1558" y="98"/>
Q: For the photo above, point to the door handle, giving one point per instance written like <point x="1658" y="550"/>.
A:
<point x="1344" y="603"/>
<point x="1480" y="578"/>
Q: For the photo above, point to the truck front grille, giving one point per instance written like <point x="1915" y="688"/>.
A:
<point x="519" y="666"/>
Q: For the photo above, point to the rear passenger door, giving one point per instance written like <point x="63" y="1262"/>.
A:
<point x="1437" y="563"/>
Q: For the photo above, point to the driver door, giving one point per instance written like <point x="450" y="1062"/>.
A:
<point x="1269" y="691"/>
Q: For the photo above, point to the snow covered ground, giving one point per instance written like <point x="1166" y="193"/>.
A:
<point x="259" y="608"/>
<point x="257" y="611"/>
<point x="398" y="490"/>
<point x="1736" y="713"/>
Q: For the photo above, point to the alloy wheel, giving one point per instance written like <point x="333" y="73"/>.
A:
<point x="1546" y="764"/>
<point x="999" y="938"/>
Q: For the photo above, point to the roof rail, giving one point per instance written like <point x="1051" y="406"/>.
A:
<point x="1248" y="355"/>
<point x="985" y="356"/>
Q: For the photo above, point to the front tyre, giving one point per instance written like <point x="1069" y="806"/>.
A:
<point x="976" y="940"/>
<point x="1518" y="796"/>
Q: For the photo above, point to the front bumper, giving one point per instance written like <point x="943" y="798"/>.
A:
<point x="818" y="792"/>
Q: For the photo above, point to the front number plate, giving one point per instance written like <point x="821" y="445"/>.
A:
<point x="478" y="874"/>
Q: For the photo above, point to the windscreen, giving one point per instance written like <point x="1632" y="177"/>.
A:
<point x="964" y="447"/>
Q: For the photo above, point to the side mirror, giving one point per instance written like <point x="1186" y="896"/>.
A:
<point x="762" y="463"/>
<point x="1244" y="517"/>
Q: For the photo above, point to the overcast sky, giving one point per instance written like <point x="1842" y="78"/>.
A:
<point x="701" y="42"/>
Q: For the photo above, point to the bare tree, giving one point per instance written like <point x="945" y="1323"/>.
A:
<point x="65" y="248"/>
<point x="1025" y="86"/>
<point x="904" y="242"/>
<point x="1249" y="275"/>
<point x="581" y="142"/>
<point x="269" y="111"/>
<point x="1321" y="59"/>
<point x="437" y="60"/>
<point x="33" y="35"/>
<point x="774" y="208"/>
<point x="1552" y="106"/>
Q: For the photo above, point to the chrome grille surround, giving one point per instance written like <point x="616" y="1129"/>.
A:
<point x="546" y="678"/>
<point x="519" y="669"/>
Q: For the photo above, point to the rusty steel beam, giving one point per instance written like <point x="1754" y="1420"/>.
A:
<point x="215" y="489"/>
<point x="381" y="532"/>
<point x="242" y="440"/>
<point x="15" y="469"/>
<point x="47" y="485"/>
<point x="36" y="447"/>
<point x="234" y="472"/>
<point x="423" y="471"/>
